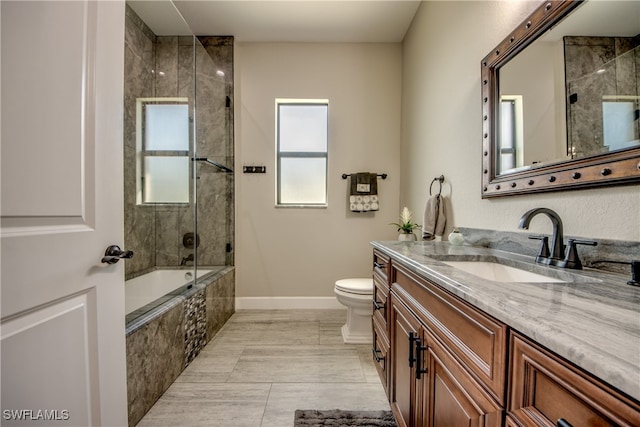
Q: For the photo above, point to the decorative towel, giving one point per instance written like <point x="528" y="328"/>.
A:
<point x="434" y="221"/>
<point x="363" y="194"/>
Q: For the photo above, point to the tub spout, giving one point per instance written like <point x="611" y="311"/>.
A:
<point x="185" y="260"/>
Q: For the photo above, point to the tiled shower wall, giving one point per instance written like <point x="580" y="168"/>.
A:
<point x="163" y="67"/>
<point x="619" y="58"/>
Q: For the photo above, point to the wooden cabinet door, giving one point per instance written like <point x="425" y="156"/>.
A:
<point x="453" y="397"/>
<point x="546" y="388"/>
<point x="405" y="329"/>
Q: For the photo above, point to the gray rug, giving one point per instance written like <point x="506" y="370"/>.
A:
<point x="340" y="418"/>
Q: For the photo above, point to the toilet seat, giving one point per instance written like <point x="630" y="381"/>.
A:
<point x="355" y="286"/>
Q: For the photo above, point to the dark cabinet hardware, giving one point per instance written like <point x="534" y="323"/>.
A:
<point x="563" y="423"/>
<point x="419" y="349"/>
<point x="378" y="265"/>
<point x="375" y="354"/>
<point x="412" y="337"/>
<point x="377" y="305"/>
<point x="114" y="254"/>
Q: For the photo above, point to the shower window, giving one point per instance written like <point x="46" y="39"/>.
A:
<point x="163" y="150"/>
<point x="301" y="138"/>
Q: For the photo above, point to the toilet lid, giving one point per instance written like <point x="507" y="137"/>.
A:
<point x="356" y="286"/>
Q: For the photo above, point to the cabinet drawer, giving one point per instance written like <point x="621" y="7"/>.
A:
<point x="380" y="304"/>
<point x="545" y="388"/>
<point x="381" y="354"/>
<point x="381" y="266"/>
<point x="477" y="340"/>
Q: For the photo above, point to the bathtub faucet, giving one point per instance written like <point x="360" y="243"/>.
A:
<point x="185" y="260"/>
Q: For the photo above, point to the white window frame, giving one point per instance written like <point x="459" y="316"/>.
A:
<point x="300" y="154"/>
<point x="516" y="126"/>
<point x="142" y="152"/>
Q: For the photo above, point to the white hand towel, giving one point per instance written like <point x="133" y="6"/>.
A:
<point x="435" y="220"/>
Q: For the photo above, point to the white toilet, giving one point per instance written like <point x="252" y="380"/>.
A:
<point x="356" y="295"/>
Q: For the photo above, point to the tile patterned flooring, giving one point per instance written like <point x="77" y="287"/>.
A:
<point x="265" y="364"/>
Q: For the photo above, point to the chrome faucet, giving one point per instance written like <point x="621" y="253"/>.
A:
<point x="557" y="257"/>
<point x="557" y="244"/>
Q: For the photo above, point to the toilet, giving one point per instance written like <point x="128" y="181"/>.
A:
<point x="357" y="296"/>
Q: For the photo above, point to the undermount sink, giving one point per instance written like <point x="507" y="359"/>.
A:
<point x="500" y="273"/>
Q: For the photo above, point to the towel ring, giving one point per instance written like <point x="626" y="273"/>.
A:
<point x="440" y="180"/>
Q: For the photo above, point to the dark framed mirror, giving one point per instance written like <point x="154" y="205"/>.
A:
<point x="561" y="100"/>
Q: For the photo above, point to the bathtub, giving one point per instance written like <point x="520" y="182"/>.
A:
<point x="170" y="318"/>
<point x="151" y="287"/>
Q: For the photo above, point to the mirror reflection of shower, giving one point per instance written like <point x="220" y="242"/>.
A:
<point x="178" y="145"/>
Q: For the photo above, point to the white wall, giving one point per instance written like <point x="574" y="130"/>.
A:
<point x="441" y="128"/>
<point x="533" y="76"/>
<point x="286" y="252"/>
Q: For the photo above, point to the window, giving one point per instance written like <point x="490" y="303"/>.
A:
<point x="619" y="121"/>
<point x="301" y="138"/>
<point x="507" y="135"/>
<point x="510" y="146"/>
<point x="163" y="150"/>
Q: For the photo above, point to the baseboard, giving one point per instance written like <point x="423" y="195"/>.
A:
<point x="291" y="303"/>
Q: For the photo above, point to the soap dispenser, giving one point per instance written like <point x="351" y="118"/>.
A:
<point x="455" y="237"/>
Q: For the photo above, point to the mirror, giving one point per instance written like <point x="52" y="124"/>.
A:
<point x="561" y="101"/>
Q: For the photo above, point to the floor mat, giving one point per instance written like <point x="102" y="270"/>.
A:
<point x="340" y="418"/>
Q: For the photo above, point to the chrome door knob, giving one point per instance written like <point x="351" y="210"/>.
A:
<point x="113" y="254"/>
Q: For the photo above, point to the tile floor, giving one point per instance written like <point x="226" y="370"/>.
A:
<point x="263" y="365"/>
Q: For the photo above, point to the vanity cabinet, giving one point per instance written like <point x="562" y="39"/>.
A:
<point x="431" y="384"/>
<point x="545" y="389"/>
<point x="380" y="318"/>
<point x="444" y="362"/>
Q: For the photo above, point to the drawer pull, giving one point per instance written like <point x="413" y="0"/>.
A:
<point x="412" y="337"/>
<point x="375" y="354"/>
<point x="419" y="349"/>
<point x="563" y="423"/>
<point x="377" y="305"/>
<point x="378" y="265"/>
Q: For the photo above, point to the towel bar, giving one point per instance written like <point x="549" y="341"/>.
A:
<point x="381" y="175"/>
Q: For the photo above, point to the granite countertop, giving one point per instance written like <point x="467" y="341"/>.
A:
<point x="592" y="320"/>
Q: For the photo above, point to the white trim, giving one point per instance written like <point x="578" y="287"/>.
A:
<point x="281" y="303"/>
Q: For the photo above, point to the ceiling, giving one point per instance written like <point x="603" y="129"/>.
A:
<point x="343" y="21"/>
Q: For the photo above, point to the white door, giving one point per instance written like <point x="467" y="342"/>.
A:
<point x="62" y="310"/>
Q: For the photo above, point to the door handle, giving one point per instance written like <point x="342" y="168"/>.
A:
<point x="113" y="254"/>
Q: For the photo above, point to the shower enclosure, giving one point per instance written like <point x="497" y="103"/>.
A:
<point x="178" y="149"/>
<point x="178" y="196"/>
